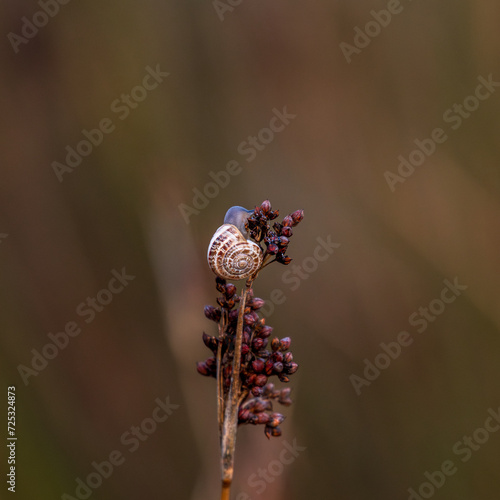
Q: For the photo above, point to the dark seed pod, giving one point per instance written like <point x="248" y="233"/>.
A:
<point x="256" y="391"/>
<point x="288" y="357"/>
<point x="212" y="313"/>
<point x="257" y="344"/>
<point x="262" y="418"/>
<point x="262" y="405"/>
<point x="203" y="369"/>
<point x="272" y="431"/>
<point x="260" y="380"/>
<point x="275" y="419"/>
<point x="283" y="241"/>
<point x="210" y="342"/>
<point x="265" y="331"/>
<point x="291" y="368"/>
<point x="277" y="357"/>
<point x="272" y="249"/>
<point x="220" y="284"/>
<point x="283" y="378"/>
<point x="257" y="303"/>
<point x="266" y="207"/>
<point x="297" y="216"/>
<point x="258" y="365"/>
<point x="268" y="389"/>
<point x="269" y="367"/>
<point x="243" y="415"/>
<point x="284" y="397"/>
<point x="278" y="367"/>
<point x="275" y="344"/>
<point x="285" y="343"/>
<point x="229" y="290"/>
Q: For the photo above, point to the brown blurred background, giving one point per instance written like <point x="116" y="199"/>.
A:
<point x="120" y="208"/>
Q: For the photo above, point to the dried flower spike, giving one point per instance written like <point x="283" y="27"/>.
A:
<point x="241" y="362"/>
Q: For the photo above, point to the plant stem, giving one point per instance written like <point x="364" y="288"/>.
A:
<point x="220" y="389"/>
<point x="230" y="423"/>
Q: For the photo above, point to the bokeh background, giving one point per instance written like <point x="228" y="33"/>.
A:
<point x="121" y="208"/>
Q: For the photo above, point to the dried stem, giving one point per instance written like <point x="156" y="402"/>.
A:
<point x="220" y="389"/>
<point x="230" y="423"/>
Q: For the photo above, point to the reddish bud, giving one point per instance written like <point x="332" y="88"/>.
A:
<point x="297" y="216"/>
<point x="275" y="419"/>
<point x="268" y="389"/>
<point x="292" y="368"/>
<point x="256" y="391"/>
<point x="278" y="367"/>
<point x="211" y="363"/>
<point x="257" y="344"/>
<point x="203" y="369"/>
<point x="284" y="397"/>
<point x="262" y="418"/>
<point x="268" y="367"/>
<point x="244" y="415"/>
<point x="219" y="284"/>
<point x="251" y="319"/>
<point x="286" y="231"/>
<point x="230" y="290"/>
<point x="245" y="349"/>
<point x="258" y="365"/>
<point x="266" y="207"/>
<point x="283" y="241"/>
<point x="277" y="356"/>
<point x="262" y="405"/>
<point x="210" y="342"/>
<point x="283" y="259"/>
<point x="275" y="432"/>
<point x="265" y="331"/>
<point x="275" y="344"/>
<point x="288" y="357"/>
<point x="287" y="221"/>
<point x="212" y="313"/>
<point x="285" y="343"/>
<point x="272" y="249"/>
<point x="257" y="303"/>
<point x="283" y="378"/>
<point x="260" y="380"/>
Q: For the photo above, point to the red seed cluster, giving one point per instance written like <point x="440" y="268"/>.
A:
<point x="261" y="358"/>
<point x="276" y="239"/>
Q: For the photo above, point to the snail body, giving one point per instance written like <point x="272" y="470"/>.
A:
<point x="230" y="255"/>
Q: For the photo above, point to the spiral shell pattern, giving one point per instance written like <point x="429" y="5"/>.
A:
<point x="231" y="256"/>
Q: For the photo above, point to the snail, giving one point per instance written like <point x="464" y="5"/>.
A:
<point x="231" y="255"/>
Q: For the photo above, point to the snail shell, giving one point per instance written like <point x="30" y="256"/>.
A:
<point x="231" y="256"/>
